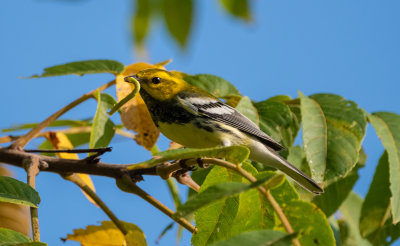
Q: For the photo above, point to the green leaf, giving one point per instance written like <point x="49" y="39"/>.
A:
<point x="234" y="154"/>
<point x="178" y="18"/>
<point x="314" y="137"/>
<point x="375" y="221"/>
<point x="335" y="193"/>
<point x="278" y="121"/>
<point x="103" y="128"/>
<point x="349" y="232"/>
<point x="279" y="98"/>
<point x="346" y="129"/>
<point x="12" y="238"/>
<point x="245" y="106"/>
<point x="57" y="123"/>
<point x="83" y="67"/>
<point x="306" y="218"/>
<point x="215" y="85"/>
<point x="237" y="8"/>
<point x="387" y="127"/>
<point x="14" y="191"/>
<point x="258" y="238"/>
<point x="216" y="192"/>
<point x="141" y="21"/>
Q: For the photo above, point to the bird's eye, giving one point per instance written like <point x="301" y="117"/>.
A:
<point x="156" y="80"/>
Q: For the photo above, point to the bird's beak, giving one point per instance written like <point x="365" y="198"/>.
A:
<point x="133" y="76"/>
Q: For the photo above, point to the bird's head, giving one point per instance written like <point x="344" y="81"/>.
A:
<point x="160" y="84"/>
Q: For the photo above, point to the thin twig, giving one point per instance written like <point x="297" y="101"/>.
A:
<point x="78" y="181"/>
<point x="130" y="186"/>
<point x="31" y="166"/>
<point x="22" y="141"/>
<point x="97" y="150"/>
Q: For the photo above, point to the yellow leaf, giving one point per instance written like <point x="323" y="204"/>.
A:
<point x="14" y="216"/>
<point x="108" y="234"/>
<point x="134" y="114"/>
<point x="60" y="141"/>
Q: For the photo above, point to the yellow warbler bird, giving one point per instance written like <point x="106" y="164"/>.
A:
<point x="194" y="118"/>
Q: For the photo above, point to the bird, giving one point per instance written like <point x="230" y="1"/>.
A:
<point x="195" y="118"/>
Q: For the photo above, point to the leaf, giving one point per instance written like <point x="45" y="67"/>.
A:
<point x="387" y="127"/>
<point x="279" y="98"/>
<point x="349" y="232"/>
<point x="306" y="218"/>
<point x="14" y="191"/>
<point x="234" y="154"/>
<point x="314" y="137"/>
<point x="60" y="141"/>
<point x="245" y="106"/>
<point x="12" y="238"/>
<point x="216" y="192"/>
<point x="103" y="128"/>
<point x="237" y="8"/>
<point x="82" y="67"/>
<point x="108" y="234"/>
<point x="215" y="85"/>
<point x="14" y="216"/>
<point x="278" y="121"/>
<point x="375" y="220"/>
<point x="57" y="123"/>
<point x="178" y="18"/>
<point x="141" y="21"/>
<point x="346" y="124"/>
<point x="258" y="238"/>
<point x="134" y="113"/>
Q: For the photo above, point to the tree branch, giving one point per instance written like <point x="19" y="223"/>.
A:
<point x="31" y="166"/>
<point x="22" y="141"/>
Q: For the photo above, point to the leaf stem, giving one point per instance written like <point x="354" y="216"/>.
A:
<point x="22" y="141"/>
<point x="78" y="181"/>
<point x="127" y="185"/>
<point x="31" y="166"/>
<point x="128" y="97"/>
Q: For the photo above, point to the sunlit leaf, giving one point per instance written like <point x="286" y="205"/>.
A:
<point x="60" y="141"/>
<point x="215" y="85"/>
<point x="14" y="191"/>
<point x="57" y="123"/>
<point x="278" y="121"/>
<point x="238" y="8"/>
<point x="346" y="124"/>
<point x="12" y="238"/>
<point x="245" y="106"/>
<point x="82" y="67"/>
<point x="141" y="21"/>
<point x="134" y="114"/>
<point x="258" y="238"/>
<point x="387" y="127"/>
<point x="14" y="216"/>
<point x="178" y="17"/>
<point x="314" y="137"/>
<point x="108" y="234"/>
<point x="305" y="217"/>
<point x="349" y="232"/>
<point x="102" y="128"/>
<point x="375" y="221"/>
<point x="234" y="154"/>
<point x="215" y="192"/>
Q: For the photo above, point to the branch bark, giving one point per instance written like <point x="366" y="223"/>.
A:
<point x="31" y="166"/>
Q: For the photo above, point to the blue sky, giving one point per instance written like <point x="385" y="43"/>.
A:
<point x="349" y="48"/>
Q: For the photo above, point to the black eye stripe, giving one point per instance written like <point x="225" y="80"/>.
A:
<point x="156" y="80"/>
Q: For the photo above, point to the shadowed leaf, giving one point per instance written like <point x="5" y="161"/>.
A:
<point x="215" y="85"/>
<point x="178" y="17"/>
<point x="57" y="123"/>
<point x="237" y="8"/>
<point x="141" y="21"/>
<point x="82" y="67"/>
<point x="258" y="238"/>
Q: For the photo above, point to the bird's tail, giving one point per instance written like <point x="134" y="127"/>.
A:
<point x="273" y="159"/>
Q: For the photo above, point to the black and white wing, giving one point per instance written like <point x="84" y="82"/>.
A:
<point x="219" y="111"/>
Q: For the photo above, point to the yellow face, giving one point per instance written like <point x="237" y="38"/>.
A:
<point x="160" y="84"/>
